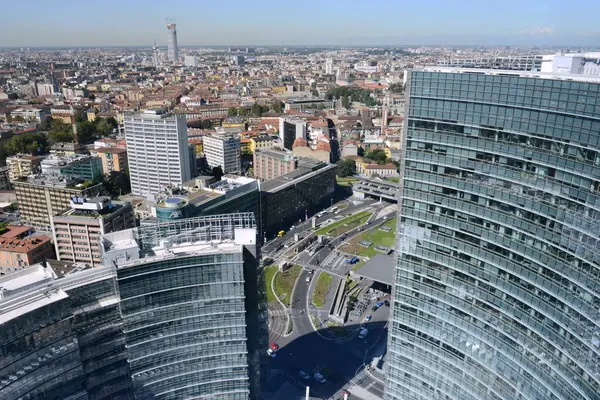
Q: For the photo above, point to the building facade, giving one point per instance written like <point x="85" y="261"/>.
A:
<point x="157" y="151"/>
<point x="18" y="253"/>
<point x="223" y="150"/>
<point x="190" y="307"/>
<point x="77" y="166"/>
<point x="295" y="196"/>
<point x="113" y="160"/>
<point x="269" y="164"/>
<point x="496" y="289"/>
<point x="62" y="338"/>
<point x="23" y="165"/>
<point x="4" y="179"/>
<point x="41" y="198"/>
<point x="77" y="232"/>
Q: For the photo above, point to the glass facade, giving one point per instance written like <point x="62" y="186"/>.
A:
<point x="186" y="328"/>
<point x="497" y="288"/>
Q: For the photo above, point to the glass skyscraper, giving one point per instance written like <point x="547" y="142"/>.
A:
<point x="173" y="314"/>
<point x="497" y="288"/>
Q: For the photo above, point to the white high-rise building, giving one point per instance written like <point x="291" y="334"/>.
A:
<point x="172" y="49"/>
<point x="157" y="151"/>
<point x="223" y="150"/>
<point x="190" y="61"/>
<point x="329" y="66"/>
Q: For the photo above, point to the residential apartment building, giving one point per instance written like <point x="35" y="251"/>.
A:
<point x="296" y="195"/>
<point x="17" y="253"/>
<point x="43" y="197"/>
<point x="290" y="130"/>
<point x="22" y="165"/>
<point x="157" y="151"/>
<point x="262" y="143"/>
<point x="269" y="164"/>
<point x="209" y="350"/>
<point x="223" y="150"/>
<point x="496" y="287"/>
<point x="77" y="231"/>
<point x="113" y="159"/>
<point x="4" y="179"/>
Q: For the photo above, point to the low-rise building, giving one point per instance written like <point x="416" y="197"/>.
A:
<point x="263" y="143"/>
<point x="17" y="253"/>
<point x="77" y="232"/>
<point x="79" y="166"/>
<point x="303" y="104"/>
<point x="22" y="165"/>
<point x="113" y="159"/>
<point x="29" y="114"/>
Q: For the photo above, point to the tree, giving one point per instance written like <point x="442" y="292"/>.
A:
<point x="250" y="172"/>
<point x="45" y="125"/>
<point x="314" y="92"/>
<point x="242" y="111"/>
<point x="345" y="101"/>
<point x="86" y="131"/>
<point x="117" y="184"/>
<point x="13" y="96"/>
<point x="396" y="87"/>
<point x="92" y="96"/>
<point x="346" y="167"/>
<point x="60" y="132"/>
<point x="378" y="156"/>
<point x="277" y="107"/>
<point x="231" y="112"/>
<point x="104" y="127"/>
<point x="256" y="110"/>
<point x="9" y="118"/>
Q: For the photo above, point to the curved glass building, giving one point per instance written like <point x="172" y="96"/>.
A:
<point x="497" y="288"/>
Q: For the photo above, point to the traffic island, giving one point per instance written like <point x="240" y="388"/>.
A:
<point x="284" y="283"/>
<point x="321" y="289"/>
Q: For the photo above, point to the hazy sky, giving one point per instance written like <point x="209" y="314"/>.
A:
<point x="269" y="22"/>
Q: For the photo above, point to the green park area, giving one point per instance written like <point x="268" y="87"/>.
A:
<point x="269" y="273"/>
<point x="376" y="236"/>
<point x="321" y="289"/>
<point x="284" y="283"/>
<point x="346" y="181"/>
<point x="345" y="225"/>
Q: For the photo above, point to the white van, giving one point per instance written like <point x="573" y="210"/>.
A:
<point x="363" y="333"/>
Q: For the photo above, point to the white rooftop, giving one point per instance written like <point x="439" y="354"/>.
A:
<point x="524" y="74"/>
<point x="24" y="278"/>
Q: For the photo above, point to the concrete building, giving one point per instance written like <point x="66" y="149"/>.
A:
<point x="386" y="170"/>
<point x="260" y="143"/>
<point x="239" y="60"/>
<point x="269" y="164"/>
<point x="77" y="231"/>
<point x="77" y="166"/>
<point x="321" y="152"/>
<point x="222" y="149"/>
<point x="496" y="284"/>
<point x="307" y="104"/>
<point x="518" y="63"/>
<point x="295" y="196"/>
<point x="41" y="198"/>
<point x="157" y="151"/>
<point x="113" y="159"/>
<point x="188" y="297"/>
<point x="62" y="338"/>
<point x="45" y="89"/>
<point x="190" y="61"/>
<point x="329" y="66"/>
<point x="575" y="63"/>
<point x="22" y="165"/>
<point x="172" y="48"/>
<point x="29" y="114"/>
<point x="17" y="253"/>
<point x="4" y="179"/>
<point x="290" y="130"/>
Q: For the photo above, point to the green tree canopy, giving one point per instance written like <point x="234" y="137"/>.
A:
<point x="256" y="110"/>
<point x="277" y="107"/>
<point x="378" y="156"/>
<point x="346" y="167"/>
<point x="352" y="93"/>
<point x="232" y="112"/>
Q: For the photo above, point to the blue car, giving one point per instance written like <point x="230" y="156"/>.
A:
<point x="368" y="317"/>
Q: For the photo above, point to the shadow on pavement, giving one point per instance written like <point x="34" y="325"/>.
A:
<point x="341" y="361"/>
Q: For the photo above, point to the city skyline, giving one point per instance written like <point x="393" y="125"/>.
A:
<point x="431" y="23"/>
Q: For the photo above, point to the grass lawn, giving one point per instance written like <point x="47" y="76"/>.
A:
<point x="376" y="236"/>
<point x="284" y="283"/>
<point x="344" y="225"/>
<point x="346" y="181"/>
<point x="394" y="179"/>
<point x="321" y="289"/>
<point x="269" y="272"/>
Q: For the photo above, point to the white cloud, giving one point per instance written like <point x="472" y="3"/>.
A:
<point x="537" y="31"/>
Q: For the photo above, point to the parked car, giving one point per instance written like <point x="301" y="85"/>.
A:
<point x="320" y="378"/>
<point x="368" y="317"/>
<point x="274" y="346"/>
<point x="271" y="353"/>
<point x="303" y="374"/>
<point x="387" y="303"/>
<point x="308" y="279"/>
